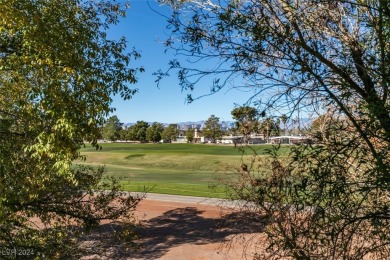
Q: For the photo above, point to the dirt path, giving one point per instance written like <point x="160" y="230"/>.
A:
<point x="177" y="230"/>
<point x="192" y="231"/>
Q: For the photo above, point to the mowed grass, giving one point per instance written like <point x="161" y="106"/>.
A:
<point x="181" y="169"/>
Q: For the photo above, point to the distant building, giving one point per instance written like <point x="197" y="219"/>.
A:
<point x="256" y="139"/>
<point x="231" y="139"/>
<point x="286" y="139"/>
<point x="198" y="136"/>
<point x="239" y="139"/>
<point x="180" y="139"/>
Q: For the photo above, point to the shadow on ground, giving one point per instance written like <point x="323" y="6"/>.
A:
<point x="171" y="229"/>
<point x="186" y="226"/>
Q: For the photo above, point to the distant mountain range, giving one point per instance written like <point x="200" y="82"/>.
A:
<point x="189" y="124"/>
<point x="303" y="123"/>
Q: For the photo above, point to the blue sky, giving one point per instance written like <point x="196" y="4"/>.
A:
<point x="145" y="30"/>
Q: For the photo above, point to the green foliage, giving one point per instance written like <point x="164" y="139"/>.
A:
<point x="58" y="71"/>
<point x="123" y="134"/>
<point x="141" y="134"/>
<point x="190" y="135"/>
<point x="212" y="128"/>
<point x="246" y="120"/>
<point x="153" y="133"/>
<point x="112" y="129"/>
<point x="170" y="133"/>
<point x="131" y="134"/>
<point x="269" y="127"/>
<point x="137" y="132"/>
<point x="284" y="119"/>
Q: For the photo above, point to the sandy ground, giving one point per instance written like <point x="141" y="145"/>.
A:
<point x="191" y="231"/>
<point x="172" y="230"/>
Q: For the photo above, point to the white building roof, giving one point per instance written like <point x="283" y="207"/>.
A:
<point x="289" y="137"/>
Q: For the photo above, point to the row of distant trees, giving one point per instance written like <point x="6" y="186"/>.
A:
<point x="141" y="131"/>
<point x="248" y="121"/>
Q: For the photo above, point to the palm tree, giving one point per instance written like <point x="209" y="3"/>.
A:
<point x="284" y="119"/>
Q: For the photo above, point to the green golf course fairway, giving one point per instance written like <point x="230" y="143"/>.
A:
<point x="181" y="169"/>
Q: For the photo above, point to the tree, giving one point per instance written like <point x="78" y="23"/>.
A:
<point x="324" y="127"/>
<point x="170" y="133"/>
<point x="112" y="129"/>
<point x="212" y="128"/>
<point x="58" y="71"/>
<point x="153" y="133"/>
<point x="138" y="131"/>
<point x="123" y="135"/>
<point x="269" y="127"/>
<point x="284" y="119"/>
<point x="141" y="134"/>
<point x="190" y="135"/>
<point x="131" y="133"/>
<point x="246" y="120"/>
<point x="328" y="201"/>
